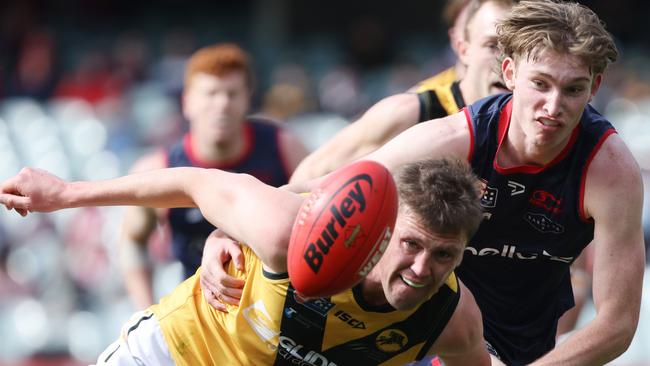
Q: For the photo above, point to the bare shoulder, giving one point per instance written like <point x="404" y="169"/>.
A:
<point x="612" y="173"/>
<point x="151" y="161"/>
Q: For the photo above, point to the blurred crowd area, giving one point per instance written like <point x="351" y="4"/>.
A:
<point x="87" y="87"/>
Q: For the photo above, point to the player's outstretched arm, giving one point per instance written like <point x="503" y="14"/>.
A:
<point x="379" y="124"/>
<point x="444" y="137"/>
<point x="613" y="198"/>
<point x="461" y="342"/>
<point x="250" y="211"/>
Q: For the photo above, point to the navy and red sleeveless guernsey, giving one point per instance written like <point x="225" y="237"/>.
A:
<point x="517" y="264"/>
<point x="262" y="159"/>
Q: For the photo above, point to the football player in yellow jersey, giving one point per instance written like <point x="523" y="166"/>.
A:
<point x="394" y="114"/>
<point x="409" y="305"/>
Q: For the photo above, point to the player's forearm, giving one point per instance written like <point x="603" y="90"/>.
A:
<point x="159" y="188"/>
<point x="599" y="342"/>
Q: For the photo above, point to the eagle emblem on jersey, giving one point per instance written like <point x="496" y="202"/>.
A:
<point x="391" y="340"/>
<point x="543" y="224"/>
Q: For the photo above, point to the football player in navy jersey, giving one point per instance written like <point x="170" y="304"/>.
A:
<point x="215" y="102"/>
<point x="556" y="177"/>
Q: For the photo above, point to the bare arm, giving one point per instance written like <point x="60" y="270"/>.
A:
<point x="438" y="138"/>
<point x="461" y="342"/>
<point x="137" y="226"/>
<point x="380" y="123"/>
<point x="613" y="198"/>
<point x="259" y="215"/>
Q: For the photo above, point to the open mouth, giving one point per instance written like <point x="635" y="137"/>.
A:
<point x="411" y="283"/>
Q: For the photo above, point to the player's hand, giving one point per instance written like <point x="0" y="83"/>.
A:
<point x="33" y="190"/>
<point x="218" y="287"/>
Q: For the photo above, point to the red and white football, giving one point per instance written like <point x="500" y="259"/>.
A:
<point x="342" y="229"/>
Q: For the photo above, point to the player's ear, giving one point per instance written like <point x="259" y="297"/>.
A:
<point x="462" y="46"/>
<point x="509" y="72"/>
<point x="595" y="85"/>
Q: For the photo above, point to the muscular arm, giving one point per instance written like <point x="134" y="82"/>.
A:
<point x="138" y="223"/>
<point x="257" y="214"/>
<point x="613" y="198"/>
<point x="379" y="124"/>
<point x="461" y="342"/>
<point x="438" y="138"/>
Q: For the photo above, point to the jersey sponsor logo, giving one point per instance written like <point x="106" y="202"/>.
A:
<point x="293" y="314"/>
<point x="391" y="340"/>
<point x="543" y="224"/>
<point x="317" y="252"/>
<point x="319" y="306"/>
<point x="512" y="252"/>
<point x="349" y="320"/>
<point x="546" y="201"/>
<point x="516" y="188"/>
<point x="260" y="321"/>
<point x="488" y="194"/>
<point x="292" y="350"/>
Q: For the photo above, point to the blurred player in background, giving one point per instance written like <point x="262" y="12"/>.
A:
<point x="477" y="53"/>
<point x="413" y="287"/>
<point x="215" y="102"/>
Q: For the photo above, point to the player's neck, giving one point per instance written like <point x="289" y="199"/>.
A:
<point x="467" y="91"/>
<point x="372" y="290"/>
<point x="518" y="149"/>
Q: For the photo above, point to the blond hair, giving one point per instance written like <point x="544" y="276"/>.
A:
<point x="567" y="27"/>
<point x="219" y="60"/>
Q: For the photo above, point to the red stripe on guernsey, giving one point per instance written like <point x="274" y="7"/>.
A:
<point x="470" y="126"/>
<point x="583" y="179"/>
<point x="249" y="142"/>
<point x="436" y="362"/>
<point x="504" y="124"/>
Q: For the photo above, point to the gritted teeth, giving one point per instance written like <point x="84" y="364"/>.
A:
<point x="411" y="283"/>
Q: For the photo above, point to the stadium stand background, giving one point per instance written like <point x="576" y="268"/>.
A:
<point x="88" y="86"/>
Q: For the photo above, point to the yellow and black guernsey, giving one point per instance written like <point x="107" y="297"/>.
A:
<point x="439" y="95"/>
<point x="273" y="326"/>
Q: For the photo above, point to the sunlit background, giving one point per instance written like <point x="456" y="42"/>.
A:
<point x="86" y="87"/>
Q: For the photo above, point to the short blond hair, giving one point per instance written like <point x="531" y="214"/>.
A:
<point x="534" y="26"/>
<point x="219" y="60"/>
